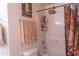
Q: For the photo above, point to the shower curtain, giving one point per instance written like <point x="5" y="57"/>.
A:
<point x="71" y="29"/>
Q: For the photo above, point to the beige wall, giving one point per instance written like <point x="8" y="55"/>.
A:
<point x="14" y="15"/>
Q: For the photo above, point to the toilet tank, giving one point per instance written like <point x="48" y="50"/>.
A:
<point x="30" y="52"/>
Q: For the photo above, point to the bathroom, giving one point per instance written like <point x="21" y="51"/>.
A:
<point x="50" y="31"/>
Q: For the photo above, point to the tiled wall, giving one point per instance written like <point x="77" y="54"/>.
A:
<point x="55" y="36"/>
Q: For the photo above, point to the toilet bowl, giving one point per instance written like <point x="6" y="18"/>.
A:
<point x="30" y="52"/>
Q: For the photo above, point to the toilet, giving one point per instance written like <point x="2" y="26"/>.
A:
<point x="30" y="52"/>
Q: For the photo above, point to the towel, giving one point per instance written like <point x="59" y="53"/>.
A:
<point x="34" y="31"/>
<point x="24" y="31"/>
<point x="1" y="37"/>
<point x="28" y="31"/>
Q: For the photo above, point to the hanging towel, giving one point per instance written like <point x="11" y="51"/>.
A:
<point x="32" y="31"/>
<point x="1" y="37"/>
<point x="34" y="34"/>
<point x="28" y="31"/>
<point x="24" y="31"/>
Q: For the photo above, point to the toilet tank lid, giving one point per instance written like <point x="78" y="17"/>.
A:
<point x="30" y="51"/>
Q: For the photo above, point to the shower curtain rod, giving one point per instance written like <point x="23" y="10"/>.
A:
<point x="51" y="7"/>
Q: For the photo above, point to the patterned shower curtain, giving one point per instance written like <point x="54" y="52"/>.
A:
<point x="71" y="29"/>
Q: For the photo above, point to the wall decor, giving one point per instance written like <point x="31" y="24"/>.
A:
<point x="27" y="10"/>
<point x="43" y="23"/>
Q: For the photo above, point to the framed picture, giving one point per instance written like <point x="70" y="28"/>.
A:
<point x="27" y="10"/>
